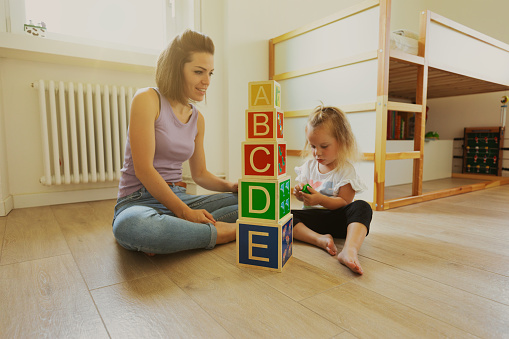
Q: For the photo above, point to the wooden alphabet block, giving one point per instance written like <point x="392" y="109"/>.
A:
<point x="264" y="244"/>
<point x="263" y="159"/>
<point x="267" y="200"/>
<point x="264" y="124"/>
<point x="264" y="94"/>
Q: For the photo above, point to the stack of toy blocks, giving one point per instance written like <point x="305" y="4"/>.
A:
<point x="265" y="224"/>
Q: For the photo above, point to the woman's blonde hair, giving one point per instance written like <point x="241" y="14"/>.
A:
<point x="340" y="129"/>
<point x="171" y="61"/>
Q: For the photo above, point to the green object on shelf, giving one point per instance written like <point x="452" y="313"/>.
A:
<point x="432" y="135"/>
<point x="305" y="189"/>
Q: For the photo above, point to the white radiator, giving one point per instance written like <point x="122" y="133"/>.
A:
<point x="84" y="130"/>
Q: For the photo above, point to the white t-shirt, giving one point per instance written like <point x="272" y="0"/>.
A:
<point x="329" y="183"/>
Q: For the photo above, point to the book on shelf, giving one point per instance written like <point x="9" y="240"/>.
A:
<point x="400" y="125"/>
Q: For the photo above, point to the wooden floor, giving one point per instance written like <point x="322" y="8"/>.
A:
<point x="405" y="190"/>
<point x="435" y="269"/>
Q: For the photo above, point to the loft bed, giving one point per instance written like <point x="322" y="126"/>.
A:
<point x="351" y="59"/>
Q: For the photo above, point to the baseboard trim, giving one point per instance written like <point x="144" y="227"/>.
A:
<point x="6" y="206"/>
<point x="63" y="197"/>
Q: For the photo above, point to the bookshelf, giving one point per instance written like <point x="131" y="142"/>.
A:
<point x="400" y="125"/>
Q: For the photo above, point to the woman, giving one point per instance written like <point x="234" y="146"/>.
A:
<point x="154" y="214"/>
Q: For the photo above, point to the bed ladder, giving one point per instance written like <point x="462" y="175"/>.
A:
<point x="384" y="106"/>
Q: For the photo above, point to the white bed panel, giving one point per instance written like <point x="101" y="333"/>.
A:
<point x="352" y="84"/>
<point x="453" y="51"/>
<point x="345" y="38"/>
<point x="293" y="162"/>
<point x="438" y="157"/>
<point x="363" y="126"/>
<point x="294" y="132"/>
<point x="366" y="170"/>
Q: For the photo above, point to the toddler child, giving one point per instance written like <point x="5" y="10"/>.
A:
<point x="329" y="210"/>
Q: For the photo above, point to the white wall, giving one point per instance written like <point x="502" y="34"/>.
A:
<point x="487" y="16"/>
<point x="240" y="30"/>
<point x="214" y="108"/>
<point x="22" y="131"/>
<point x="449" y="116"/>
<point x="6" y="203"/>
<point x="249" y="26"/>
<point x="20" y="150"/>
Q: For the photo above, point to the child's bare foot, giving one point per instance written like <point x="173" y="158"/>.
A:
<point x="349" y="259"/>
<point x="326" y="241"/>
<point x="226" y="232"/>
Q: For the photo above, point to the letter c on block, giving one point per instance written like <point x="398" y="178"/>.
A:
<point x="267" y="196"/>
<point x="251" y="159"/>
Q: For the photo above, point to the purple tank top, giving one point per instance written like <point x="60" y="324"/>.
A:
<point x="174" y="145"/>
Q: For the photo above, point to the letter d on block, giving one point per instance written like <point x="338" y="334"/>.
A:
<point x="267" y="196"/>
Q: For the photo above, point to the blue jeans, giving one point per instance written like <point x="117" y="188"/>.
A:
<point x="142" y="223"/>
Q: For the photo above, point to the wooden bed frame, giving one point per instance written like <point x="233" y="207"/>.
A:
<point x="435" y="72"/>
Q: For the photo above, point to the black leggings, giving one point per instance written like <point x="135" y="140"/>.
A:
<point x="335" y="222"/>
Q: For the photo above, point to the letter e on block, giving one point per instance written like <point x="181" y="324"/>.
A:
<point x="265" y="245"/>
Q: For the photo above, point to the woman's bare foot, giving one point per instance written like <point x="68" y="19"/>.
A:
<point x="326" y="241"/>
<point x="226" y="232"/>
<point x="348" y="257"/>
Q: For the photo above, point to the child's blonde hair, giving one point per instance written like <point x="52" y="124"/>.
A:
<point x="340" y="129"/>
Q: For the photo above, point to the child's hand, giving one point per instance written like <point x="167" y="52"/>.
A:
<point x="297" y="192"/>
<point x="313" y="198"/>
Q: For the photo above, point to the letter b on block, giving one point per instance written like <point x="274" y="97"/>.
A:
<point x="264" y="94"/>
<point x="264" y="124"/>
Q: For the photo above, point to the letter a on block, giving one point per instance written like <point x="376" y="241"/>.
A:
<point x="262" y="96"/>
<point x="251" y="200"/>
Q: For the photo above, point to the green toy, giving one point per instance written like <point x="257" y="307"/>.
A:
<point x="432" y="135"/>
<point x="305" y="189"/>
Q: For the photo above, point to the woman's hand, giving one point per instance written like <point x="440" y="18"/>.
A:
<point x="297" y="192"/>
<point x="312" y="198"/>
<point x="234" y="187"/>
<point x="199" y="216"/>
